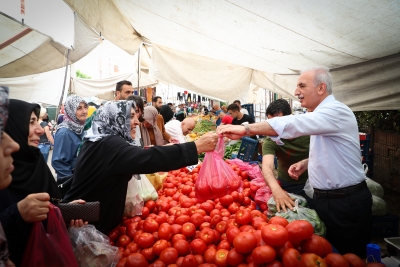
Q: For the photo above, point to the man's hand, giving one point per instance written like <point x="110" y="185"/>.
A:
<point x="297" y="169"/>
<point x="282" y="200"/>
<point x="206" y="142"/>
<point x="34" y="207"/>
<point x="234" y="132"/>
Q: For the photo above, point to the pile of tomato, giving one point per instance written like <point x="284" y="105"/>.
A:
<point x="177" y="231"/>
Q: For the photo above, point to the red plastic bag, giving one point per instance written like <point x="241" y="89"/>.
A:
<point x="216" y="179"/>
<point x="51" y="247"/>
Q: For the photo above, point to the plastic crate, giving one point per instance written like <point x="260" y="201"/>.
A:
<point x="247" y="148"/>
<point x="385" y="226"/>
<point x="250" y="109"/>
<point x="365" y="146"/>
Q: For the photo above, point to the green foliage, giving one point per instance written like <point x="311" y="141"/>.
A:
<point x="379" y="119"/>
<point x="82" y="75"/>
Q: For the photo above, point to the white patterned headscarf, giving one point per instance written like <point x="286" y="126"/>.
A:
<point x="70" y="120"/>
<point x="113" y="118"/>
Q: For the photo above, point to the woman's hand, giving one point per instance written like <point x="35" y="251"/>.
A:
<point x="77" y="223"/>
<point x="34" y="207"/>
<point x="78" y="201"/>
<point x="206" y="142"/>
<point x="9" y="263"/>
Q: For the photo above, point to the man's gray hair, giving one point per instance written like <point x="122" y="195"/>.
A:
<point x="322" y="75"/>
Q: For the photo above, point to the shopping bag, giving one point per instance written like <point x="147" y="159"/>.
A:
<point x="49" y="247"/>
<point x="142" y="185"/>
<point x="92" y="248"/>
<point x="134" y="202"/>
<point x="216" y="179"/>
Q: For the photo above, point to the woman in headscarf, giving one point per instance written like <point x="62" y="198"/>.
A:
<point x="7" y="147"/>
<point x="27" y="199"/>
<point x="69" y="136"/>
<point x="167" y="113"/>
<point x="154" y="133"/>
<point x="109" y="157"/>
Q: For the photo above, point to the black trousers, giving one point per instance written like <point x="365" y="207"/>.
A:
<point x="348" y="221"/>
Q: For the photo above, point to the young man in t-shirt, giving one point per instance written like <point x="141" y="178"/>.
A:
<point x="292" y="151"/>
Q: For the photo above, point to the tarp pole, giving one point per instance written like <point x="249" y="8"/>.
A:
<point x="63" y="90"/>
<point x="138" y="64"/>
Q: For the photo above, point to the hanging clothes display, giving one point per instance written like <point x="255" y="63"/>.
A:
<point x="194" y="98"/>
<point x="179" y="96"/>
<point x="189" y="99"/>
<point x="198" y="98"/>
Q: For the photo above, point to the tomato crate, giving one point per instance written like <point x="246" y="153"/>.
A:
<point x="385" y="226"/>
<point x="247" y="148"/>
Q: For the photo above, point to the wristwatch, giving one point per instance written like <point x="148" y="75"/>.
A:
<point x="246" y="126"/>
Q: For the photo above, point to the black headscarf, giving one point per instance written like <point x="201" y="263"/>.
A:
<point x="167" y="113"/>
<point x="31" y="174"/>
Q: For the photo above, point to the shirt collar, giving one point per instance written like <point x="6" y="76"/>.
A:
<point x="327" y="100"/>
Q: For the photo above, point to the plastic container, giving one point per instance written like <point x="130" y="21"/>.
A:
<point x="247" y="148"/>
<point x="250" y="109"/>
<point x="373" y="253"/>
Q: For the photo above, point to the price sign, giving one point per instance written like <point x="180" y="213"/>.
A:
<point x="190" y="168"/>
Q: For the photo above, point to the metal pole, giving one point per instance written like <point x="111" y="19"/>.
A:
<point x="138" y="64"/>
<point x="65" y="79"/>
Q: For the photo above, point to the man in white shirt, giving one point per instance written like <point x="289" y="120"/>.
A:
<point x="178" y="130"/>
<point x="341" y="196"/>
<point x="242" y="110"/>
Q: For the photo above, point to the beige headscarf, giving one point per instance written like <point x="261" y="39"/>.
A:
<point x="150" y="115"/>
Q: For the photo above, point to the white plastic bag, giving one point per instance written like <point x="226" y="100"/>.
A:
<point x="379" y="207"/>
<point x="308" y="189"/>
<point x="145" y="188"/>
<point x="92" y="248"/>
<point x="375" y="188"/>
<point x="134" y="202"/>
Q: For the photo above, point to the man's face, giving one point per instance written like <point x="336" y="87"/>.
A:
<point x="158" y="104"/>
<point x="233" y="114"/>
<point x="188" y="126"/>
<point x="134" y="122"/>
<point x="307" y="92"/>
<point x="126" y="90"/>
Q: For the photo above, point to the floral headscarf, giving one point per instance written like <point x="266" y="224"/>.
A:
<point x="70" y="120"/>
<point x="113" y="118"/>
<point x="3" y="109"/>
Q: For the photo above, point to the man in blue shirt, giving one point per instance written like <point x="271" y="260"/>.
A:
<point x="341" y="196"/>
<point x="216" y="110"/>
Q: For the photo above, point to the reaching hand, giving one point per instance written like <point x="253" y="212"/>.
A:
<point x="282" y="200"/>
<point x="234" y="132"/>
<point x="206" y="142"/>
<point x="34" y="207"/>
<point x="77" y="223"/>
<point x="297" y="169"/>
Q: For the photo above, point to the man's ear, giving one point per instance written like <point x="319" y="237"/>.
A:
<point x="321" y="88"/>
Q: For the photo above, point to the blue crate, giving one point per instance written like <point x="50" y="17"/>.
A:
<point x="247" y="148"/>
<point x="364" y="147"/>
<point x="250" y="109"/>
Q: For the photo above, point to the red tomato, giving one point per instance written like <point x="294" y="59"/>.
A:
<point x="199" y="259"/>
<point x="244" y="175"/>
<point x="274" y="263"/>
<point x="207" y="235"/>
<point x="136" y="260"/>
<point x="188" y="229"/>
<point x="182" y="246"/>
<point x="159" y="246"/>
<point x="316" y="244"/>
<point x="257" y="234"/>
<point x="150" y="204"/>
<point x="243" y="217"/>
<point x="205" y="225"/>
<point x="197" y="219"/>
<point x="157" y="263"/>
<point x="221" y="227"/>
<point x="234" y="258"/>
<point x="177" y="237"/>
<point x="311" y="260"/>
<point x="132" y="247"/>
<point x="299" y="230"/>
<point x="257" y="221"/>
<point x="122" y="230"/>
<point x="189" y="261"/>
<point x="226" y="200"/>
<point x="263" y="254"/>
<point x="232" y="222"/>
<point x="281" y="249"/>
<point x="145" y="212"/>
<point x="169" y="256"/>
<point x="224" y="244"/>
<point x="186" y="189"/>
<point x="278" y="220"/>
<point x="198" y="246"/>
<point x="150" y="225"/>
<point x="176" y="229"/>
<point x="123" y="241"/>
<point x="165" y="231"/>
<point x="291" y="258"/>
<point x="244" y="242"/>
<point x="182" y="219"/>
<point x="375" y="264"/>
<point x="146" y="240"/>
<point x="215" y="220"/>
<point x="113" y="235"/>
<point x="136" y="235"/>
<point x="207" y="207"/>
<point x="354" y="260"/>
<point x="233" y="208"/>
<point x="274" y="235"/>
<point x="336" y="260"/>
<point x="209" y="255"/>
<point x="221" y="258"/>
<point x="231" y="233"/>
<point x="121" y="262"/>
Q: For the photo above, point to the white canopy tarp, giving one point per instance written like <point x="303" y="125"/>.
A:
<point x="26" y="50"/>
<point x="271" y="40"/>
<point x="105" y="88"/>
